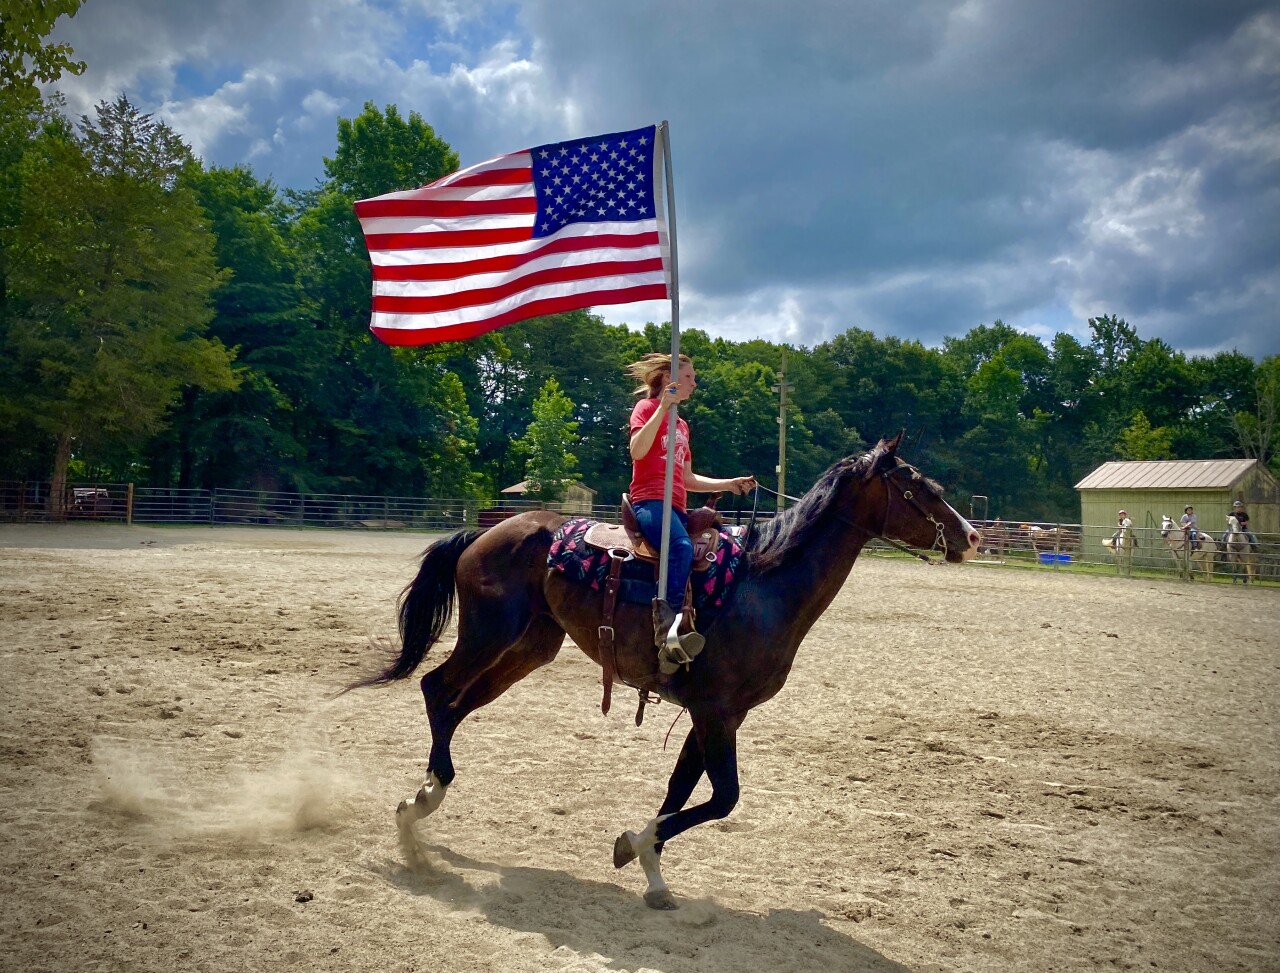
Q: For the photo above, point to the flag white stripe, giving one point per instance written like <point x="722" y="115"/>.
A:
<point x="480" y="312"/>
<point x="512" y="191"/>
<point x="426" y="225"/>
<point x="576" y="258"/>
<point x="435" y="255"/>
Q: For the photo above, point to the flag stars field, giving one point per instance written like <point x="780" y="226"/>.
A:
<point x="554" y="228"/>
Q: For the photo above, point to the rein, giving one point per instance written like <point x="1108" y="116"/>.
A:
<point x="939" y="543"/>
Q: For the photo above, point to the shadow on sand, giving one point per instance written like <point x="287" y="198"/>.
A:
<point x="602" y="920"/>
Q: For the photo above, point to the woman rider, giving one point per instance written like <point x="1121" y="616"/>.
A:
<point x="649" y="435"/>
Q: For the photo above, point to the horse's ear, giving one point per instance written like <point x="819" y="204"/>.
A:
<point x="890" y="446"/>
<point x="883" y="455"/>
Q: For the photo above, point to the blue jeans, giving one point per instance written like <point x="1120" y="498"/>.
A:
<point x="680" y="559"/>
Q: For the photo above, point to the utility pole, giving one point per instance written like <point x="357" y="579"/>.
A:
<point x="782" y="388"/>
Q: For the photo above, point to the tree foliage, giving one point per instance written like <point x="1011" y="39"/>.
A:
<point x="26" y="57"/>
<point x="110" y="280"/>
<point x="549" y="465"/>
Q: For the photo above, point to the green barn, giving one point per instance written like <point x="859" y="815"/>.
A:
<point x="1151" y="488"/>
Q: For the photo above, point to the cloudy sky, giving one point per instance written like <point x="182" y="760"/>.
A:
<point x="911" y="167"/>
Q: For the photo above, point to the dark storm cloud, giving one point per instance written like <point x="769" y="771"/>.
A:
<point x="925" y="164"/>
<point x="915" y="168"/>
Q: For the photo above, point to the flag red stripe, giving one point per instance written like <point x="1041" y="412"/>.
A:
<point x="491" y="265"/>
<point x="496" y="176"/>
<point x="448" y="238"/>
<point x="491" y="177"/>
<point x="374" y="208"/>
<point x="392" y="304"/>
<point x="556" y="305"/>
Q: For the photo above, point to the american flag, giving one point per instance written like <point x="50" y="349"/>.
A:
<point x="553" y="228"/>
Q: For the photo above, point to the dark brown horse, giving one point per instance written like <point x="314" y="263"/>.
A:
<point x="514" y="612"/>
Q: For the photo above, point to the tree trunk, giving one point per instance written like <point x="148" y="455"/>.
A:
<point x="58" y="484"/>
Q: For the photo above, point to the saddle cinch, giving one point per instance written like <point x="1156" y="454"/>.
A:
<point x="624" y="542"/>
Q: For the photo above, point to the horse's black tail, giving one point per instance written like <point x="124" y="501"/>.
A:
<point x="426" y="605"/>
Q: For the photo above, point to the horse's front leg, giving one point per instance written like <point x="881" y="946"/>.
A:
<point x="684" y="778"/>
<point x="710" y="748"/>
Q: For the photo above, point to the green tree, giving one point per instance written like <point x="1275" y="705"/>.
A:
<point x="586" y="357"/>
<point x="381" y="152"/>
<point x="369" y="407"/>
<point x="111" y="280"/>
<point x="1143" y="441"/>
<point x="1257" y="428"/>
<point x="1000" y="439"/>
<point x="550" y="466"/>
<point x="449" y="443"/>
<point x="248" y="437"/>
<point x="26" y="59"/>
<point x="733" y="420"/>
<point x="1225" y="384"/>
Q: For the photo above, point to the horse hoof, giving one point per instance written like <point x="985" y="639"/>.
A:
<point x="662" y="900"/>
<point x="623" y="852"/>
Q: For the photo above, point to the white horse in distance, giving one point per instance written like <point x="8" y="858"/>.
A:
<point x="1202" y="553"/>
<point x="1239" y="552"/>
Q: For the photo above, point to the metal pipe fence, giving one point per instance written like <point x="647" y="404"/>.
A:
<point x="1061" y="546"/>
<point x="1042" y="545"/>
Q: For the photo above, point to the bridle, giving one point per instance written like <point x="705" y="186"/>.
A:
<point x="907" y="494"/>
<point x="889" y="477"/>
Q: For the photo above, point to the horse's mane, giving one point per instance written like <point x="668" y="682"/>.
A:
<point x="795" y="526"/>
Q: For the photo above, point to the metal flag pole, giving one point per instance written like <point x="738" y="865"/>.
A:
<point x="664" y="141"/>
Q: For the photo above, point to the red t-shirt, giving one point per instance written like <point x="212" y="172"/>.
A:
<point x="649" y="473"/>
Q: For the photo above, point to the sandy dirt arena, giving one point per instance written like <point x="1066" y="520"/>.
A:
<point x="971" y="768"/>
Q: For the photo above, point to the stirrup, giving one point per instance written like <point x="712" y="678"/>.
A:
<point x="678" y="650"/>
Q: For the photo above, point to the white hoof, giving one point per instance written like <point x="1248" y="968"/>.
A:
<point x="429" y="797"/>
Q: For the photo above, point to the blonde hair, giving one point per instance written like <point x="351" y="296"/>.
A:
<point x="648" y="371"/>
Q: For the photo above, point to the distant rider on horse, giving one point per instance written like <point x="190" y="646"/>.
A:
<point x="1191" y="527"/>
<point x="1242" y="518"/>
<point x="1123" y="525"/>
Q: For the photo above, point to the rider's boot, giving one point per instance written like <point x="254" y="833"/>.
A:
<point x="679" y="643"/>
<point x="664" y="617"/>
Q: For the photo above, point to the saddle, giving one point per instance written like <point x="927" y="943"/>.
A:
<point x="623" y="542"/>
<point x="704" y="531"/>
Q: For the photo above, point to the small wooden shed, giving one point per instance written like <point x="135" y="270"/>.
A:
<point x="1149" y="489"/>
<point x="578" y="499"/>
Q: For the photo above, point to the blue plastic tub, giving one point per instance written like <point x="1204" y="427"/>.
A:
<point x="1048" y="557"/>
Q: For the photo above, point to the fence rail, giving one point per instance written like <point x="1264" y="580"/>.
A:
<point x="1062" y="546"/>
<point x="1050" y="546"/>
<point x="29" y="501"/>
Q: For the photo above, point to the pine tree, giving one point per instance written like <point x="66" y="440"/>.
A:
<point x="550" y="467"/>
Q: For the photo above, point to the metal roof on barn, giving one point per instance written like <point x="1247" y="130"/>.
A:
<point x="1173" y="474"/>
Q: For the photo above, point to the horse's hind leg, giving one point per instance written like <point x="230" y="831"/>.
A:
<point x="479" y="670"/>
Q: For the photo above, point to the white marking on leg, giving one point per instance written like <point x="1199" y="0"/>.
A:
<point x="649" y="859"/>
<point x="429" y="797"/>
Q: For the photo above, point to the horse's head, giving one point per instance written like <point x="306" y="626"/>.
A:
<point x="1233" y="523"/>
<point x="1166" y="525"/>
<point x="915" y="512"/>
